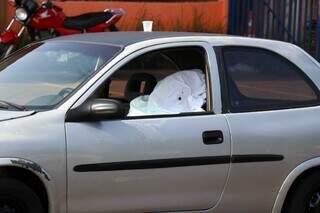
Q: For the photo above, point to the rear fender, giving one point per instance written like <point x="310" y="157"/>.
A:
<point x="294" y="174"/>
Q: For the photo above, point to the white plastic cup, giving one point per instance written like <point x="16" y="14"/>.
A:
<point x="147" y="26"/>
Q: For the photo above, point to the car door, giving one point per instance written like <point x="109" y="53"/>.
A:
<point x="150" y="164"/>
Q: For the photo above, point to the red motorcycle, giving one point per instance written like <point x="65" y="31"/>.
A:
<point x="48" y="20"/>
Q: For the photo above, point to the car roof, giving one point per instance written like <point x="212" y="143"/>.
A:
<point x="124" y="39"/>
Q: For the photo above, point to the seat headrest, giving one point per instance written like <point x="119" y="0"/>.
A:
<point x="133" y="87"/>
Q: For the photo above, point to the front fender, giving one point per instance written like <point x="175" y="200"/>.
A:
<point x="294" y="174"/>
<point x="8" y="37"/>
<point x="37" y="170"/>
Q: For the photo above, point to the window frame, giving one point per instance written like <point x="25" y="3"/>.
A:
<point x="163" y="55"/>
<point x="227" y="106"/>
<point x="182" y="45"/>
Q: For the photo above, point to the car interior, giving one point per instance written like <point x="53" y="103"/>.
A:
<point x="140" y="76"/>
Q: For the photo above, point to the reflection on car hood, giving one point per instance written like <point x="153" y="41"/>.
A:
<point x="8" y="115"/>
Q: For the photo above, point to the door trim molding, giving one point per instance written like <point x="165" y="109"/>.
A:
<point x="176" y="162"/>
<point x="255" y="158"/>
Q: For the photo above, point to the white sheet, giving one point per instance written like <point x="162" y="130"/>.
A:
<point x="180" y="92"/>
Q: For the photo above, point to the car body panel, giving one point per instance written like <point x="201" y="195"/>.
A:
<point x="147" y="139"/>
<point x="243" y="187"/>
<point x="39" y="140"/>
<point x="164" y="189"/>
<point x="284" y="132"/>
<point x="294" y="174"/>
<point x="35" y="169"/>
<point x="9" y="115"/>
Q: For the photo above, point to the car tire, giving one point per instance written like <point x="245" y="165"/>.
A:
<point x="16" y="197"/>
<point x="305" y="198"/>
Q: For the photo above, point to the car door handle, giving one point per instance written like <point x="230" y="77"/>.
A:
<point x="212" y="137"/>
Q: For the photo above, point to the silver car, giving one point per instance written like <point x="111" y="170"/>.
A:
<point x="86" y="126"/>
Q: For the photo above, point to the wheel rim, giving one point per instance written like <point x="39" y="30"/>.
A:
<point x="314" y="203"/>
<point x="11" y="206"/>
<point x="7" y="209"/>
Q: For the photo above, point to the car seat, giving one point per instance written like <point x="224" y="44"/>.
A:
<point x="134" y="84"/>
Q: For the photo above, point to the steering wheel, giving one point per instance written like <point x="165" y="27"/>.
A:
<point x="64" y="92"/>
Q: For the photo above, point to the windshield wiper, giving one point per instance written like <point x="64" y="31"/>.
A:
<point x="8" y="105"/>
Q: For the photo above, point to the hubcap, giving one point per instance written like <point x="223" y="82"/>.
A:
<point x="12" y="205"/>
<point x="4" y="208"/>
<point x="314" y="204"/>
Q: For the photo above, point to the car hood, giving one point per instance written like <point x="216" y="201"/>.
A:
<point x="8" y="115"/>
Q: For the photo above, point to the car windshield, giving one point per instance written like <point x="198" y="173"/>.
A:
<point x="44" y="74"/>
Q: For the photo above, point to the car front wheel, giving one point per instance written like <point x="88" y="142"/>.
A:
<point x="16" y="197"/>
<point x="306" y="196"/>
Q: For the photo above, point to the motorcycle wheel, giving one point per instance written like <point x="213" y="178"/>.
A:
<point x="5" y="50"/>
<point x="113" y="28"/>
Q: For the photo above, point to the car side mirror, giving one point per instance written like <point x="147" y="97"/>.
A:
<point x="96" y="110"/>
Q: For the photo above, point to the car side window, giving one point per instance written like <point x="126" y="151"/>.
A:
<point x="163" y="82"/>
<point x="259" y="79"/>
<point x="155" y="64"/>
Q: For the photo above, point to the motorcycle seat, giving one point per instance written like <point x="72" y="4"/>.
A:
<point x="87" y="20"/>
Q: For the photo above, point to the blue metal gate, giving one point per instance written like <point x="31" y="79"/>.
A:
<point x="293" y="21"/>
